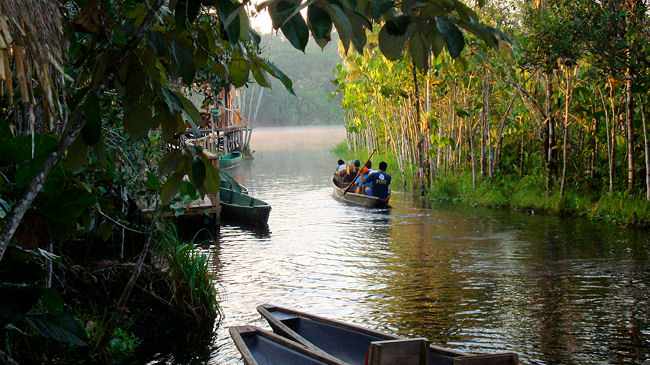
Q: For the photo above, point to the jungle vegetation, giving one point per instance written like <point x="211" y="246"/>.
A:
<point x="92" y="102"/>
<point x="552" y="118"/>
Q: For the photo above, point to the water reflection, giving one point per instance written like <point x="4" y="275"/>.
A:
<point x="557" y="291"/>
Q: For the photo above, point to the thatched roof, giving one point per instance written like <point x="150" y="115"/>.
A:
<point x="32" y="50"/>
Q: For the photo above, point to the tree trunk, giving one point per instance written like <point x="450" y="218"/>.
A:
<point x="646" y="152"/>
<point x="565" y="135"/>
<point x="612" y="157"/>
<point x="629" y="122"/>
<point x="36" y="185"/>
<point x="470" y="141"/>
<point x="550" y="130"/>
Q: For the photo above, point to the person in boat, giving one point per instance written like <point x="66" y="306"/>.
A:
<point x="360" y="182"/>
<point x="340" y="168"/>
<point x="378" y="182"/>
<point x="351" y="171"/>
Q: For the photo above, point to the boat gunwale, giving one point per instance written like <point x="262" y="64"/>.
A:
<point x="237" y="334"/>
<point x="372" y="201"/>
<point x="264" y="205"/>
<point x="267" y="308"/>
<point x="265" y="312"/>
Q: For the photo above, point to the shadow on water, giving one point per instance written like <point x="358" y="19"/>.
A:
<point x="554" y="290"/>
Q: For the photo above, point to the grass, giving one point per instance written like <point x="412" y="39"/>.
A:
<point x="521" y="193"/>
<point x="193" y="285"/>
<point x="528" y="193"/>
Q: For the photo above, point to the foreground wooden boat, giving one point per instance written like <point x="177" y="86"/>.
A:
<point x="350" y="343"/>
<point x="243" y="208"/>
<point x="358" y="199"/>
<point x="259" y="347"/>
<point x="230" y="159"/>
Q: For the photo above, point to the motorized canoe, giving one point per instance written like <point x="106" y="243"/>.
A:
<point x="230" y="159"/>
<point x="358" y="199"/>
<point x="259" y="347"/>
<point x="243" y="208"/>
<point x="350" y="343"/>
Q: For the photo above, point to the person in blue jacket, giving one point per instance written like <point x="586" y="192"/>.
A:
<point x="378" y="182"/>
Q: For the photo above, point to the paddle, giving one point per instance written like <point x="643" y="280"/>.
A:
<point x="358" y="172"/>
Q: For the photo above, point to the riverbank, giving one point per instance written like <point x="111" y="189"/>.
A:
<point x="99" y="309"/>
<point x="520" y="193"/>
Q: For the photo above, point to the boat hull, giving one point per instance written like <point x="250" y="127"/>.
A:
<point x="242" y="208"/>
<point x="350" y="343"/>
<point x="259" y="347"/>
<point x="358" y="199"/>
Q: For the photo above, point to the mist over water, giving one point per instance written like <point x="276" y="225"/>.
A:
<point x="554" y="290"/>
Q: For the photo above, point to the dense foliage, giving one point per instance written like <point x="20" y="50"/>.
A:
<point x="92" y="102"/>
<point x="561" y="108"/>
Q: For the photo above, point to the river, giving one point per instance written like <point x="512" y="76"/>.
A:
<point x="554" y="290"/>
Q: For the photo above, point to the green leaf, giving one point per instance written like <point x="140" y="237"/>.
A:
<point x="76" y="156"/>
<point x="452" y="35"/>
<point x="320" y="24"/>
<point x="152" y="183"/>
<point x="138" y="119"/>
<point x="227" y="10"/>
<point x="183" y="56"/>
<point x="238" y="69"/>
<point x="92" y="131"/>
<point x="212" y="180"/>
<point x="296" y="31"/>
<point x="170" y="187"/>
<point x="280" y="11"/>
<point x="342" y="23"/>
<point x="63" y="327"/>
<point x="278" y="74"/>
<point x="437" y="42"/>
<point x="244" y="25"/>
<point x="380" y="7"/>
<point x="359" y="24"/>
<point x="392" y="46"/>
<point x="186" y="11"/>
<point x="260" y="76"/>
<point x="419" y="50"/>
<point x="198" y="172"/>
<point x="189" y="110"/>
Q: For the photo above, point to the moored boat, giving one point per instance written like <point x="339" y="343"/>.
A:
<point x="358" y="199"/>
<point x="350" y="343"/>
<point x="243" y="208"/>
<point x="229" y="182"/>
<point x="259" y="347"/>
<point x="230" y="159"/>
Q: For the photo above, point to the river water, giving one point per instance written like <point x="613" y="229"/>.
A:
<point x="554" y="290"/>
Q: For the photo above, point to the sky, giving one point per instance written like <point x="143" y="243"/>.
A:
<point x="261" y="22"/>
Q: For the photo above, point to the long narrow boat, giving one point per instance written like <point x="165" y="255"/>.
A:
<point x="259" y="347"/>
<point x="358" y="199"/>
<point x="350" y="343"/>
<point x="243" y="208"/>
<point x="229" y="182"/>
<point x="230" y="159"/>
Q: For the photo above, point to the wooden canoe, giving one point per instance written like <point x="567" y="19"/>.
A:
<point x="230" y="159"/>
<point x="229" y="182"/>
<point x="259" y="347"/>
<point x="350" y="343"/>
<point x="358" y="199"/>
<point x="243" y="208"/>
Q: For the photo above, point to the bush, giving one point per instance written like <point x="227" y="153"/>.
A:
<point x="192" y="283"/>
